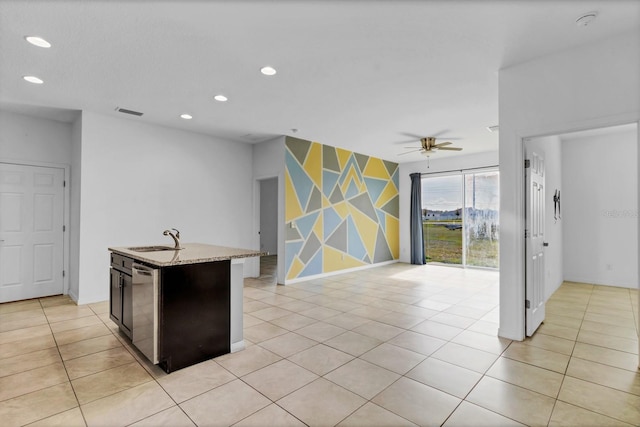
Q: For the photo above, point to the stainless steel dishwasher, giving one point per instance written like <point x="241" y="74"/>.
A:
<point x="145" y="310"/>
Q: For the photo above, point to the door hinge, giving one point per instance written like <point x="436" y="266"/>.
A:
<point x="526" y="234"/>
<point x="527" y="163"/>
<point x="64" y="228"/>
<point x="63" y="273"/>
<point x="527" y="304"/>
<point x="64" y="183"/>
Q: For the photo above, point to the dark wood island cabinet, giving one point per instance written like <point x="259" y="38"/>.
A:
<point x="182" y="314"/>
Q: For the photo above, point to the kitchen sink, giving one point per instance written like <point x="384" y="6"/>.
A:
<point x="151" y="248"/>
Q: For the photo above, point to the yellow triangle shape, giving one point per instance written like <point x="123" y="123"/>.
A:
<point x="392" y="233"/>
<point x="342" y="209"/>
<point x="389" y="192"/>
<point x="343" y="157"/>
<point x="296" y="267"/>
<point x="313" y="164"/>
<point x="334" y="260"/>
<point x="292" y="208"/>
<point x="367" y="230"/>
<point x="375" y="169"/>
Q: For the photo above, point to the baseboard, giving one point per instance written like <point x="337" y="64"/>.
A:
<point x="237" y="346"/>
<point x="335" y="273"/>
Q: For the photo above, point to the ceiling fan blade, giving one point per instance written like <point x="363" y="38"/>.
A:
<point x="450" y="148"/>
<point x="442" y="144"/>
<point x="411" y="135"/>
<point x="409" y="148"/>
<point x="405" y="142"/>
<point x="408" y="152"/>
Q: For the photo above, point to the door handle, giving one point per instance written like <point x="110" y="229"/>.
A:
<point x="545" y="244"/>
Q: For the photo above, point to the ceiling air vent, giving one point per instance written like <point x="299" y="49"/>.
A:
<point x="125" y="111"/>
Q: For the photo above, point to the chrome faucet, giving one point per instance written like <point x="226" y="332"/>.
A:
<point x="175" y="236"/>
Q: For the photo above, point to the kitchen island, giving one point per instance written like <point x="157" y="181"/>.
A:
<point x="179" y="307"/>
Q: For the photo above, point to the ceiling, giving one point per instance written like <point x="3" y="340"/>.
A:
<point x="361" y="75"/>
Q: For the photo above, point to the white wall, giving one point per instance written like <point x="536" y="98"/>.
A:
<point x="587" y="87"/>
<point x="139" y="179"/>
<point x="34" y="139"/>
<point x="451" y="163"/>
<point x="551" y="147"/>
<point x="268" y="162"/>
<point x="74" y="228"/>
<point x="269" y="215"/>
<point x="600" y="209"/>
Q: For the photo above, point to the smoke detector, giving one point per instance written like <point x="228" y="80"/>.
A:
<point x="586" y="19"/>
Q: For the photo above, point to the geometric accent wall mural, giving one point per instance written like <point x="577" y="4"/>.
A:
<point x="341" y="209"/>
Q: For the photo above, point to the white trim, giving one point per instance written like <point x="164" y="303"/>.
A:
<point x="66" y="205"/>
<point x="335" y="273"/>
<point x="237" y="346"/>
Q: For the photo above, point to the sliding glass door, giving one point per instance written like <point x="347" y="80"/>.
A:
<point x="442" y="219"/>
<point x="460" y="219"/>
<point x="481" y="225"/>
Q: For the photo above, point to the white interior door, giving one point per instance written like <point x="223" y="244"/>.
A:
<point x="31" y="231"/>
<point x="535" y="226"/>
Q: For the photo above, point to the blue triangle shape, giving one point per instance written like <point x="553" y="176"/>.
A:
<point x="329" y="180"/>
<point x="382" y="220"/>
<point x="352" y="191"/>
<point x="314" y="266"/>
<point x="305" y="224"/>
<point x="290" y="251"/>
<point x="375" y="187"/>
<point x="331" y="221"/>
<point x="355" y="247"/>
<point x="299" y="178"/>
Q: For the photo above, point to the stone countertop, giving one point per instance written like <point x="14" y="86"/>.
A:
<point x="192" y="253"/>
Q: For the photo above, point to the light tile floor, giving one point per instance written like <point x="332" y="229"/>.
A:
<point x="396" y="345"/>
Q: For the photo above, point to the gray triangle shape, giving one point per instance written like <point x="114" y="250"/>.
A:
<point x="298" y="147"/>
<point x="336" y="196"/>
<point x="310" y="248"/>
<point x="392" y="208"/>
<point x="391" y="166"/>
<point x="330" y="158"/>
<point x="362" y="160"/>
<point x="364" y="205"/>
<point x="338" y="239"/>
<point x="367" y="259"/>
<point x="382" y="252"/>
<point x="315" y="201"/>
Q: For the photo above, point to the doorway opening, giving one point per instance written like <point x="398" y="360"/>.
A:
<point x="268" y="231"/>
<point x="460" y="218"/>
<point x="590" y="207"/>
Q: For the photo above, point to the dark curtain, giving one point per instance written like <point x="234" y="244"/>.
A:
<point x="417" y="241"/>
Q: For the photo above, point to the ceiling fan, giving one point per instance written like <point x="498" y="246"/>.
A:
<point x="429" y="146"/>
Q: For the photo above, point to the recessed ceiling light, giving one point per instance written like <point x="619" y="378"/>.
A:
<point x="33" y="79"/>
<point x="268" y="71"/>
<point x="38" y="41"/>
<point x="186" y="116"/>
<point x="220" y="98"/>
<point x="586" y="19"/>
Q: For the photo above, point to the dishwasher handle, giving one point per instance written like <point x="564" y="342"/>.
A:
<point x="143" y="270"/>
